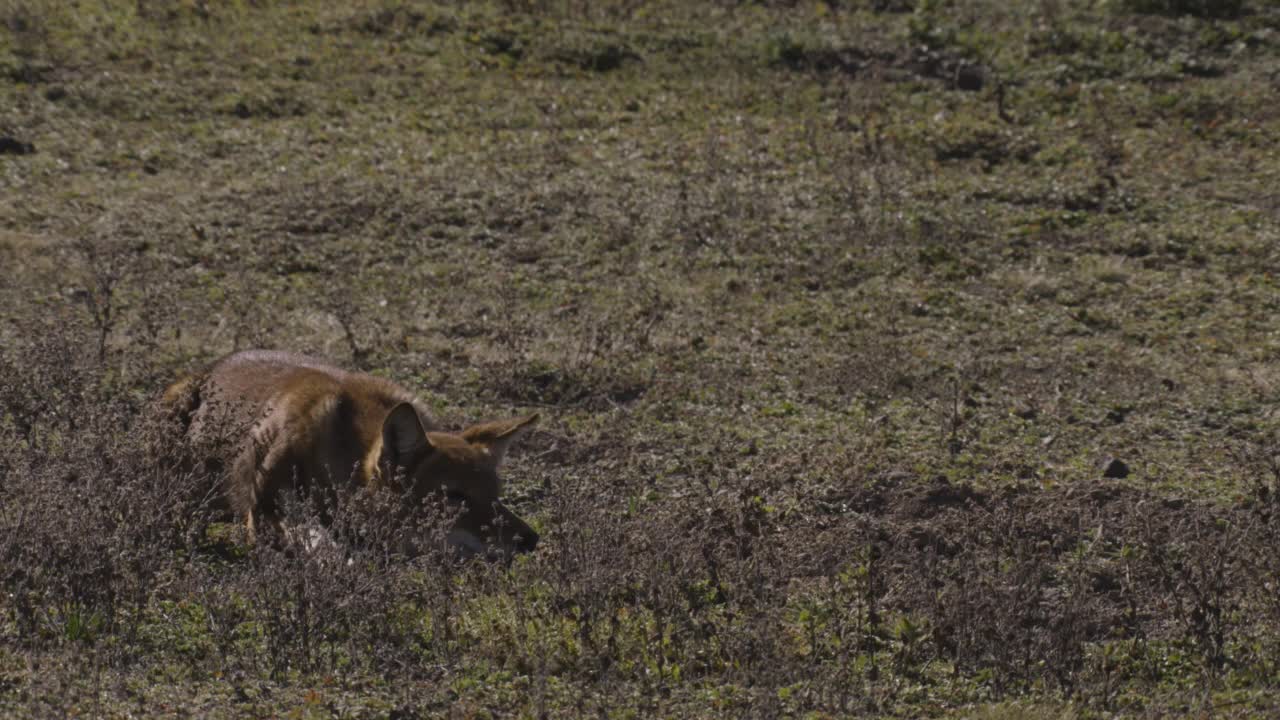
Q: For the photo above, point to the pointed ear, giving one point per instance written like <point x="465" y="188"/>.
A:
<point x="497" y="436"/>
<point x="402" y="434"/>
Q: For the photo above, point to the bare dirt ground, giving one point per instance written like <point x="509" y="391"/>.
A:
<point x="896" y="359"/>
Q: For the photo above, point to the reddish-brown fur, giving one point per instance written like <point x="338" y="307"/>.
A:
<point x="308" y="421"/>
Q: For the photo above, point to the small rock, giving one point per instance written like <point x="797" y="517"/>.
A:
<point x="971" y="77"/>
<point x="14" y="146"/>
<point x="898" y="477"/>
<point x="1116" y="468"/>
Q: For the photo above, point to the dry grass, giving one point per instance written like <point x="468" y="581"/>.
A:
<point x="837" y="313"/>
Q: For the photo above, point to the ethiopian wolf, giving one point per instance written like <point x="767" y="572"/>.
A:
<point x="309" y="424"/>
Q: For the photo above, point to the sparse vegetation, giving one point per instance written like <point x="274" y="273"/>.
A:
<point x="896" y="359"/>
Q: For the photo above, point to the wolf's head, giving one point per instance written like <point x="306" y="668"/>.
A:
<point x="463" y="466"/>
